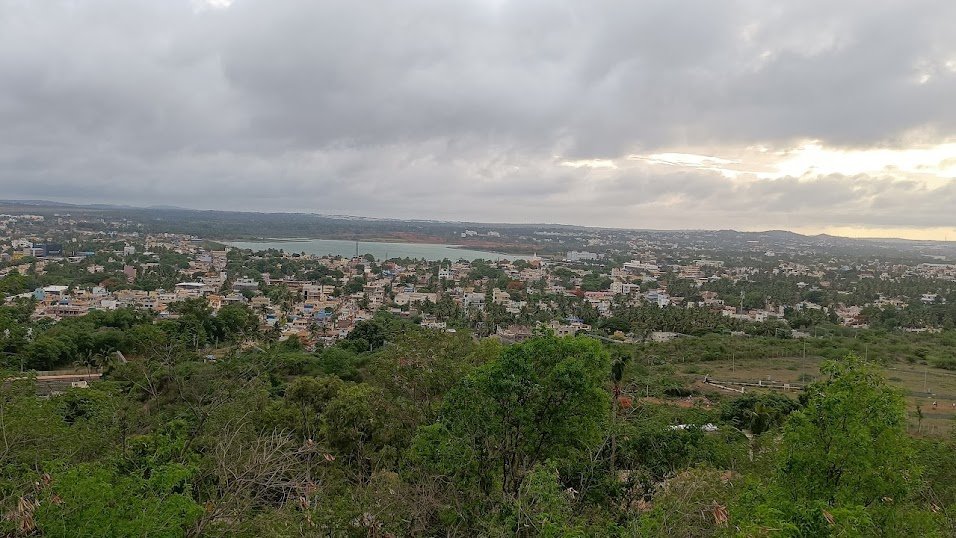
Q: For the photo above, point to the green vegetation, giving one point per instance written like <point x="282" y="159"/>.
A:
<point x="400" y="430"/>
<point x="92" y="340"/>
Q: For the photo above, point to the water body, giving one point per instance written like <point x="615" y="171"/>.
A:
<point x="335" y="247"/>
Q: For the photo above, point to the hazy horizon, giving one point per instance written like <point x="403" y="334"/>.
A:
<point x="814" y="117"/>
<point x="38" y="203"/>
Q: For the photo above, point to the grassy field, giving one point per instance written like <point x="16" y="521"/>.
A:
<point x="921" y="385"/>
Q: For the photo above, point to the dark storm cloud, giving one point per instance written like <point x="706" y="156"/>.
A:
<point x="428" y="108"/>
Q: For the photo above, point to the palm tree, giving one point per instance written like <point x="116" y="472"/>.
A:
<point x="617" y="374"/>
<point x="91" y="360"/>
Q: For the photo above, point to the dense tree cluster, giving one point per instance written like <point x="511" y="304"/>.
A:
<point x="93" y="339"/>
<point x="400" y="430"/>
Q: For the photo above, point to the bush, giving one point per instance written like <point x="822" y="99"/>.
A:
<point x="948" y="363"/>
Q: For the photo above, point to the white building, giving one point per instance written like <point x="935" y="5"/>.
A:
<point x="575" y="256"/>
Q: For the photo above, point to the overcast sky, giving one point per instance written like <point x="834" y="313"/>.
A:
<point x="810" y="115"/>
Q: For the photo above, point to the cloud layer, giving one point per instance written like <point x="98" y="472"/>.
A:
<point x="491" y="109"/>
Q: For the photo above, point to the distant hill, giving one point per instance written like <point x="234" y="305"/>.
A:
<point x="226" y="225"/>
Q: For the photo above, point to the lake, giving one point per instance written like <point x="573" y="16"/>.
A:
<point x="381" y="251"/>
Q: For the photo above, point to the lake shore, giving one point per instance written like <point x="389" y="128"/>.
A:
<point x="503" y="249"/>
<point x="378" y="249"/>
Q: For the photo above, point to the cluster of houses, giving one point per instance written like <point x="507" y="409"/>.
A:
<point x="322" y="311"/>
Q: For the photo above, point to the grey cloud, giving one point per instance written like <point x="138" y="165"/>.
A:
<point x="427" y="108"/>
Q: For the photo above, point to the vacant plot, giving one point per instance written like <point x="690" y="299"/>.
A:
<point x="922" y="385"/>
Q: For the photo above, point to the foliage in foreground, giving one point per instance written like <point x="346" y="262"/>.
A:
<point x="437" y="434"/>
